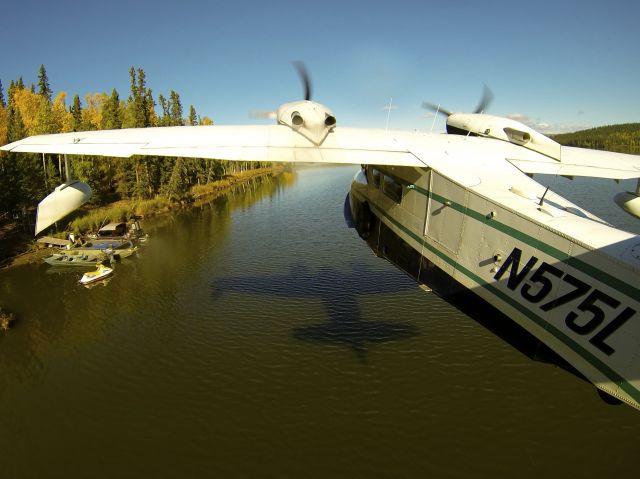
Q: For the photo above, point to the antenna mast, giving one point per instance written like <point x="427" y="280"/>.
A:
<point x="388" y="108"/>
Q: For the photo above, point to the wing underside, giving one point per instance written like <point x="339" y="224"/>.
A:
<point x="280" y="143"/>
<point x="235" y="143"/>
<point x="583" y="162"/>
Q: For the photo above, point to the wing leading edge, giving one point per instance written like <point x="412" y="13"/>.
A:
<point x="277" y="143"/>
<point x="281" y="143"/>
<point x="583" y="162"/>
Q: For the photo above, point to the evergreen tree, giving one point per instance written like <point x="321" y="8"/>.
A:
<point x="139" y="113"/>
<point x="111" y="115"/>
<point x="193" y="118"/>
<point x="3" y="104"/>
<point x="76" y="114"/>
<point x="149" y="105"/>
<point x="43" y="84"/>
<point x="25" y="177"/>
<point x="140" y="100"/>
<point x="15" y="126"/>
<point x="177" y="185"/>
<point x="175" y="109"/>
<point x="10" y="169"/>
<point x="45" y="122"/>
<point x="9" y="177"/>
<point x="12" y="88"/>
<point x="164" y="120"/>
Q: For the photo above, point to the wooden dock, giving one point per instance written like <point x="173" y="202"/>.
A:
<point x="51" y="241"/>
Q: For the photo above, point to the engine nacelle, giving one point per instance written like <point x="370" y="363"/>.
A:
<point x="629" y="201"/>
<point x="312" y="120"/>
<point x="503" y="129"/>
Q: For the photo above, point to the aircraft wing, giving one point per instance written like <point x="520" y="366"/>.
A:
<point x="240" y="143"/>
<point x="280" y="143"/>
<point x="583" y="162"/>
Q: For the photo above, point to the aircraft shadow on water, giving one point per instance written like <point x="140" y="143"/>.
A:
<point x="341" y="293"/>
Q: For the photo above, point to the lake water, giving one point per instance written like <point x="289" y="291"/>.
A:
<point x="257" y="336"/>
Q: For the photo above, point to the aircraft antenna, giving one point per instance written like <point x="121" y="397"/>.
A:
<point x="433" y="123"/>
<point x="388" y="108"/>
<point x="545" y="194"/>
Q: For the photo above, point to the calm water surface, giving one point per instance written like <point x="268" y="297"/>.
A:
<point x="256" y="336"/>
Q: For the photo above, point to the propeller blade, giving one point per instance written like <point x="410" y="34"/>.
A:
<point x="437" y="108"/>
<point x="263" y="114"/>
<point x="485" y="101"/>
<point x="306" y="79"/>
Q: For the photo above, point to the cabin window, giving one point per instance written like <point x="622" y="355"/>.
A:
<point x="375" y="177"/>
<point x="392" y="189"/>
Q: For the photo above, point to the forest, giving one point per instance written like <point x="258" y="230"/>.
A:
<point x="624" y="138"/>
<point x="25" y="179"/>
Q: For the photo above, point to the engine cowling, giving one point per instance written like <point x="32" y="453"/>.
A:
<point x="504" y="129"/>
<point x="312" y="120"/>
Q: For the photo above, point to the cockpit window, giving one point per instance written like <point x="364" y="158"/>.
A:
<point x="375" y="177"/>
<point x="392" y="189"/>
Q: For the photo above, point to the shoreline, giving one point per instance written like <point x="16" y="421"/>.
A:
<point x="25" y="250"/>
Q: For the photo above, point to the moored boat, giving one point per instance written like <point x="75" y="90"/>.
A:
<point x="76" y="258"/>
<point x="116" y="248"/>
<point x="122" y="231"/>
<point x="100" y="273"/>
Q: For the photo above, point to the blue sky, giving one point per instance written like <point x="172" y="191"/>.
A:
<point x="562" y="65"/>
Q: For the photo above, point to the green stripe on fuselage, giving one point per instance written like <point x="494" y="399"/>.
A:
<point x="599" y="275"/>
<point x="577" y="348"/>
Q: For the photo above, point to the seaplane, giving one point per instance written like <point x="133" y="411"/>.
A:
<point x="460" y="211"/>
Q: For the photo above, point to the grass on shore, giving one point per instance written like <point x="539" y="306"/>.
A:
<point x="94" y="218"/>
<point x="17" y="245"/>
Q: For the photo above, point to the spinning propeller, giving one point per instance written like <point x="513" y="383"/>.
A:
<point x="305" y="117"/>
<point x="303" y="73"/>
<point x="306" y="79"/>
<point x="485" y="101"/>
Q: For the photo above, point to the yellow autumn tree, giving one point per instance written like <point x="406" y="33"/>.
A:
<point x="62" y="118"/>
<point x="92" y="112"/>
<point x="3" y="125"/>
<point x="31" y="107"/>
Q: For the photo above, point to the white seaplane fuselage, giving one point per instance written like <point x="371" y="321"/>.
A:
<point x="562" y="274"/>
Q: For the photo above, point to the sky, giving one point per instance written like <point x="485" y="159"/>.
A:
<point x="555" y="65"/>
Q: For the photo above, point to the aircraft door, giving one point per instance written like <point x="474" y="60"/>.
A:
<point x="445" y="212"/>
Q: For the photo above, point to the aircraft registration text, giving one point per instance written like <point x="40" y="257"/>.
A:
<point x="597" y="316"/>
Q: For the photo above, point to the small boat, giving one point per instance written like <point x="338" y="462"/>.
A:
<point x="101" y="272"/>
<point x="117" y="249"/>
<point x="122" y="231"/>
<point x="76" y="258"/>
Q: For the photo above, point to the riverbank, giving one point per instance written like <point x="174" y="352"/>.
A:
<point x="18" y="247"/>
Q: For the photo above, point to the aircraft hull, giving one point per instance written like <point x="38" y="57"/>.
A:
<point x="579" y="301"/>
